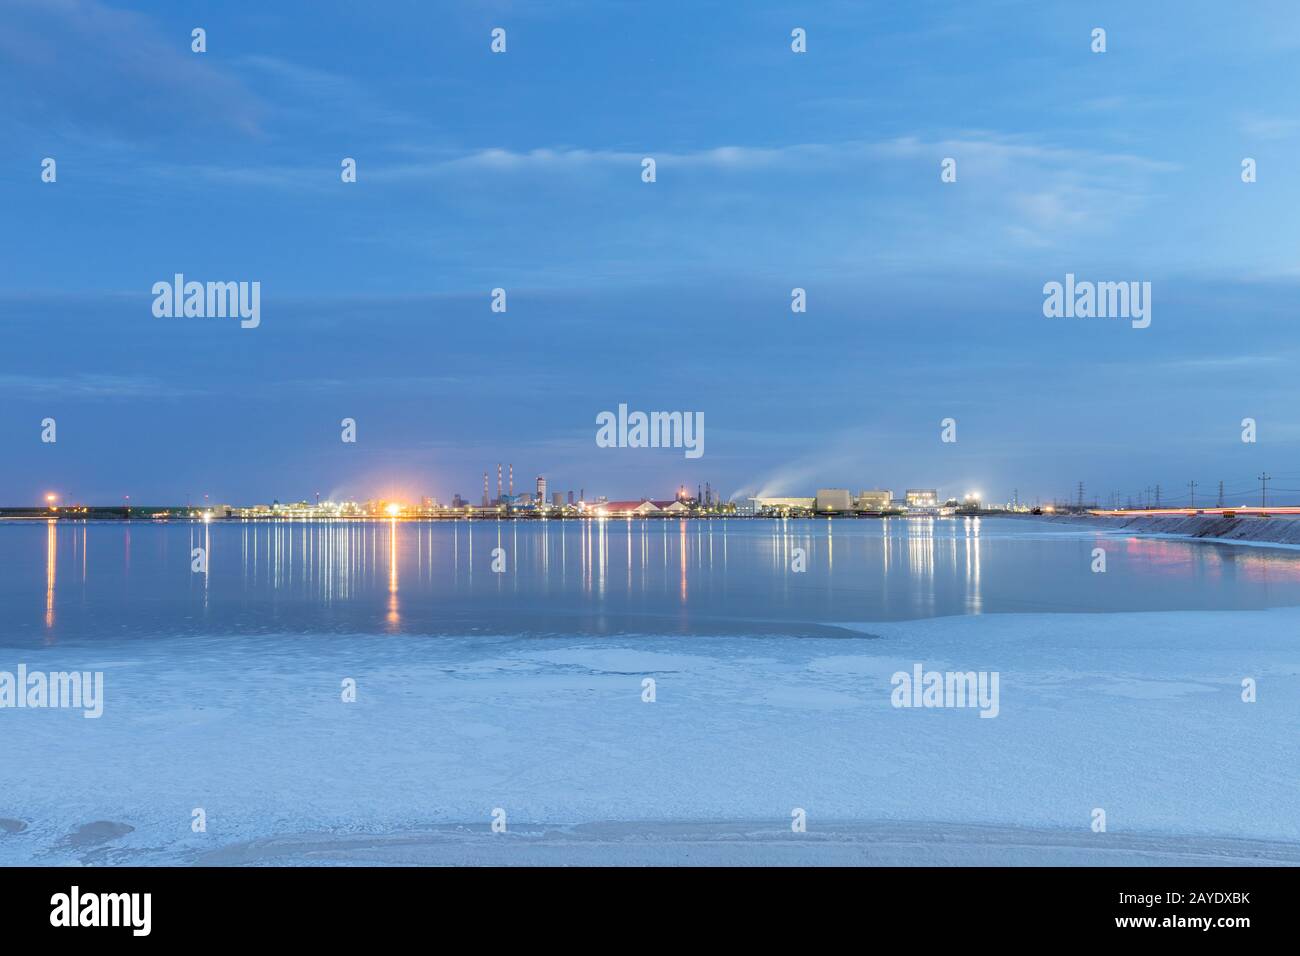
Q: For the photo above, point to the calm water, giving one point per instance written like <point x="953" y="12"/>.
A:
<point x="73" y="582"/>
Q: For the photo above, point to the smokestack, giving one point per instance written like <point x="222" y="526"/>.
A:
<point x="498" y="482"/>
<point x="485" y="490"/>
<point x="512" y="481"/>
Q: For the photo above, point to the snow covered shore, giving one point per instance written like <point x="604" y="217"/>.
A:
<point x="753" y="843"/>
<point x="1138" y="714"/>
<point x="1245" y="530"/>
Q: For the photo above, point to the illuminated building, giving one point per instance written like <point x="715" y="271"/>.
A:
<point x="834" y="499"/>
<point x="922" y="498"/>
<point x="874" y="500"/>
<point x="757" y="506"/>
<point x="626" y="508"/>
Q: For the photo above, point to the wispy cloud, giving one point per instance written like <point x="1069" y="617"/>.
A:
<point x="74" y="63"/>
<point x="319" y="95"/>
<point x="92" y="386"/>
<point x="1270" y="127"/>
<point x="1047" y="189"/>
<point x="984" y="150"/>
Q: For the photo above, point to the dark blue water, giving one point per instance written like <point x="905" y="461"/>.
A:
<point x="82" y="581"/>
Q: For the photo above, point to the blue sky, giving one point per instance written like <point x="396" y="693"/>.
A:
<point x="522" y="171"/>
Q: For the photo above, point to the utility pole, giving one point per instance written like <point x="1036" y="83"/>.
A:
<point x="1264" y="479"/>
<point x="1081" y="496"/>
<point x="1157" y="497"/>
<point x="1220" y="494"/>
<point x="1192" y="486"/>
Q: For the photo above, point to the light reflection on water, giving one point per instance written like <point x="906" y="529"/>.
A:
<point x="613" y="575"/>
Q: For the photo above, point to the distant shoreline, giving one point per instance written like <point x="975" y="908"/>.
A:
<point x="184" y="514"/>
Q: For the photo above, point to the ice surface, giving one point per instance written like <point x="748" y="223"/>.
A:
<point x="1137" y="713"/>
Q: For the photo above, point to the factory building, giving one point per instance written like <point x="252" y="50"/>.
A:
<point x="626" y="508"/>
<point x="756" y="506"/>
<point x="876" y="499"/>
<point x="839" y="500"/>
<point x="922" y="498"/>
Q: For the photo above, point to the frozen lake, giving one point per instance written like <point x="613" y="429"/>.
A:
<point x="71" y="583"/>
<point x="524" y="690"/>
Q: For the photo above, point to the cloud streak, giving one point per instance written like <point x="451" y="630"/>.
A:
<point x="120" y="57"/>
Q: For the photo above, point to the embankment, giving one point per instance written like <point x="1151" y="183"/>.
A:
<point x="1247" y="529"/>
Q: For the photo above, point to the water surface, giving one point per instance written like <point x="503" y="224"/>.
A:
<point x="68" y="582"/>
